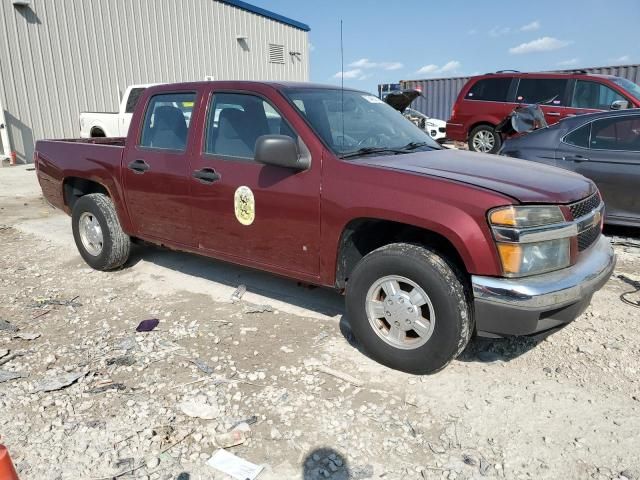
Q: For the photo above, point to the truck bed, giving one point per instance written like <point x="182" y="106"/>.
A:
<point x="95" y="159"/>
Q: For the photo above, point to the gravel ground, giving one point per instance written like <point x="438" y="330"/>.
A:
<point x="85" y="396"/>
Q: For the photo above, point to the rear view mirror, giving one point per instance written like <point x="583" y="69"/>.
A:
<point x="619" y="105"/>
<point x="280" y="151"/>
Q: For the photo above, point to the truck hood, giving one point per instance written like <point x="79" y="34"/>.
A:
<point x="527" y="182"/>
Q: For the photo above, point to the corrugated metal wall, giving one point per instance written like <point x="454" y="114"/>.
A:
<point x="440" y="93"/>
<point x="61" y="57"/>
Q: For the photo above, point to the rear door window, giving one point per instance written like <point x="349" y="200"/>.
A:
<point x="538" y="90"/>
<point x="166" y="121"/>
<point x="579" y="137"/>
<point x="490" y="89"/>
<point x="617" y="133"/>
<point x="132" y="101"/>
<point x="594" y="95"/>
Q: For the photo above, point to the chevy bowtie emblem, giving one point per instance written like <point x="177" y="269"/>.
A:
<point x="597" y="218"/>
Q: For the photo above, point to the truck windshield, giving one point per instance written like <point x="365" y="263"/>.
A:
<point x="353" y="123"/>
<point x="629" y="86"/>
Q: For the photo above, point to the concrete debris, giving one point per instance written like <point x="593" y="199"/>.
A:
<point x="6" y="375"/>
<point x="27" y="335"/>
<point x="57" y="382"/>
<point x="199" y="408"/>
<point x="7" y="327"/>
<point x="258" y="309"/>
<point x="342" y="376"/>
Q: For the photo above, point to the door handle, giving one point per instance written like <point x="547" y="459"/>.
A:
<point x="575" y="158"/>
<point x="139" y="166"/>
<point x="553" y="114"/>
<point x="206" y="175"/>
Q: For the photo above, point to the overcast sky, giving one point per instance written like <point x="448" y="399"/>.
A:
<point x="421" y="39"/>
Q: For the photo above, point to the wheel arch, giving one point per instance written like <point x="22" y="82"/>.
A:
<point x="361" y="236"/>
<point x="75" y="187"/>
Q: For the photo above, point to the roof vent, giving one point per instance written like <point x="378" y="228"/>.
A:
<point x="276" y="53"/>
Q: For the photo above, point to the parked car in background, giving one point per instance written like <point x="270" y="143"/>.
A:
<point x="401" y="99"/>
<point x="604" y="147"/>
<point x="332" y="187"/>
<point x="486" y="99"/>
<point x="115" y="124"/>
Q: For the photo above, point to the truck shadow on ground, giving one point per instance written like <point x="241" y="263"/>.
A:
<point x="323" y="301"/>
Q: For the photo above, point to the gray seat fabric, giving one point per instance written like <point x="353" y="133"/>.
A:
<point x="230" y="139"/>
<point x="169" y="129"/>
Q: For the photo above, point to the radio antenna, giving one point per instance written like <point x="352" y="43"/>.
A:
<point x="342" y="82"/>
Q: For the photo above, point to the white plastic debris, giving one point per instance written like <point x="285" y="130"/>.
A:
<point x="234" y="466"/>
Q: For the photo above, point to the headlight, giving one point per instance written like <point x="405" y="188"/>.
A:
<point x="531" y="258"/>
<point x="531" y="239"/>
<point x="526" y="216"/>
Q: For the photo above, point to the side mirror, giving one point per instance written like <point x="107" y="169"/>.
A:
<point x="281" y="151"/>
<point x="619" y="105"/>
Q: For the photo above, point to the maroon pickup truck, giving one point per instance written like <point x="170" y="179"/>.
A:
<point x="335" y="188"/>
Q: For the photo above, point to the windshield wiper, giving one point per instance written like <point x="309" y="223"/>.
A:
<point x="372" y="150"/>
<point x="414" y="145"/>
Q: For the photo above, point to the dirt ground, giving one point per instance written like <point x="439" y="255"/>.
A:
<point x="83" y="396"/>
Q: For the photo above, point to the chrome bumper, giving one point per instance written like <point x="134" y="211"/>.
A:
<point x="551" y="290"/>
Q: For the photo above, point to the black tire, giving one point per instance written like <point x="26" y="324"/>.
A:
<point x="97" y="133"/>
<point x="445" y="288"/>
<point x="115" y="245"/>
<point x="489" y="130"/>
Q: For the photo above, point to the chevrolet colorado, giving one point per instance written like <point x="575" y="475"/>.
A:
<point x="332" y="187"/>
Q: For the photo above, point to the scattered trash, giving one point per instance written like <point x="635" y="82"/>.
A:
<point x="147" y="325"/>
<point x="199" y="409"/>
<point x="109" y="386"/>
<point x="238" y="293"/>
<point x="484" y="467"/>
<point x="202" y="366"/>
<point x="249" y="421"/>
<point x="27" y="335"/>
<point x="258" y="309"/>
<point x="6" y="375"/>
<point x="58" y="382"/>
<point x="41" y="302"/>
<point x="7" y="327"/>
<point x="236" y="436"/>
<point x="342" y="376"/>
<point x="234" y="466"/>
<point x="286" y="349"/>
<point x="125" y="361"/>
<point x="633" y="283"/>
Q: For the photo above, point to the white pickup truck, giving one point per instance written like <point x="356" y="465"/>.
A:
<point x="116" y="124"/>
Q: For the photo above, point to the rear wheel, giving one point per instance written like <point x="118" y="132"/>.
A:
<point x="98" y="234"/>
<point x="484" y="139"/>
<point x="407" y="307"/>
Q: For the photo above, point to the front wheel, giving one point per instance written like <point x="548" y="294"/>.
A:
<point x="98" y="234"/>
<point x="484" y="139"/>
<point x="408" y="309"/>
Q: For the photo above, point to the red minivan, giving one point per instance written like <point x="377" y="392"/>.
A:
<point x="486" y="100"/>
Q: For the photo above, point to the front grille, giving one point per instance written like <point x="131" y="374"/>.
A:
<point x="583" y="207"/>
<point x="587" y="237"/>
